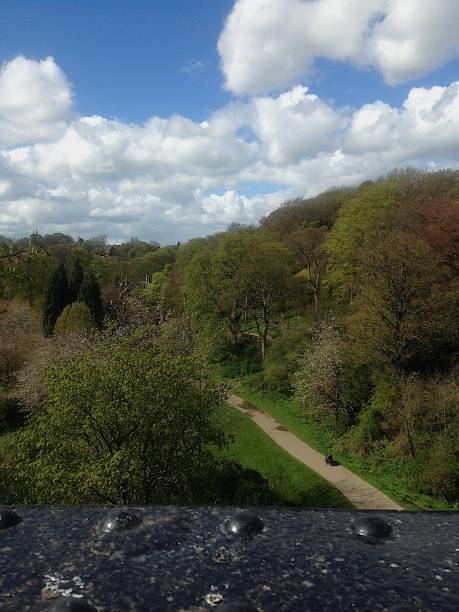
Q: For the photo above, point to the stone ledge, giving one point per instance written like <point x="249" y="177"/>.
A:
<point x="198" y="559"/>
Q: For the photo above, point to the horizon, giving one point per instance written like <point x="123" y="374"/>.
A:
<point x="135" y="123"/>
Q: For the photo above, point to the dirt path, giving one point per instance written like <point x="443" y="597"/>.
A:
<point x="360" y="493"/>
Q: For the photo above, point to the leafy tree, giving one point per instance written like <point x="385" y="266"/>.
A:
<point x="402" y="313"/>
<point x="129" y="422"/>
<point x="361" y="219"/>
<point x="318" y="383"/>
<point x="156" y="294"/>
<point x="269" y="283"/>
<point x="91" y="296"/>
<point x="74" y="317"/>
<point x="307" y="244"/>
<point x="55" y="299"/>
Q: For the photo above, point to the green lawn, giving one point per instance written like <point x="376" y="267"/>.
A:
<point x="395" y="484"/>
<point x="291" y="479"/>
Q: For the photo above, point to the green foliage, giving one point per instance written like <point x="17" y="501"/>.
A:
<point x="441" y="474"/>
<point x="129" y="422"/>
<point x="75" y="279"/>
<point x="90" y="295"/>
<point x="74" y="317"/>
<point x="282" y="359"/>
<point x="55" y="299"/>
<point x="362" y="218"/>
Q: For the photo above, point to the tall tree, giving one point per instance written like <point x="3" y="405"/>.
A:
<point x="75" y="275"/>
<point x="268" y="282"/>
<point x="90" y="295"/>
<point x="403" y="314"/>
<point x="55" y="299"/>
<point x="307" y="244"/>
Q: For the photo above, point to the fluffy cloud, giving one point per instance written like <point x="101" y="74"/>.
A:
<point x="35" y="100"/>
<point x="170" y="179"/>
<point x="267" y="45"/>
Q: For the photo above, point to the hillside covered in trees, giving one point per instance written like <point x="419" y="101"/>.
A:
<point x="344" y="306"/>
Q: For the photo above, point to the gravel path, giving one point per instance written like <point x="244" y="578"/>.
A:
<point x="359" y="492"/>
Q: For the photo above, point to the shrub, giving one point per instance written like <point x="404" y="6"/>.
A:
<point x="74" y="317"/>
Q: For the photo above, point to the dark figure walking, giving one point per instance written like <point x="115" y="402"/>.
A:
<point x="329" y="459"/>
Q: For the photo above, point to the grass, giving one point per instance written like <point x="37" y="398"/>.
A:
<point x="391" y="481"/>
<point x="4" y="441"/>
<point x="253" y="449"/>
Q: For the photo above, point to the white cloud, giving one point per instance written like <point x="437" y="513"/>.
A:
<point x="294" y="126"/>
<point x="268" y="45"/>
<point x="35" y="100"/>
<point x="170" y="179"/>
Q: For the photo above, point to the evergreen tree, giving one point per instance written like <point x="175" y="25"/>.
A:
<point x="91" y="296"/>
<point x="55" y="299"/>
<point x="76" y="273"/>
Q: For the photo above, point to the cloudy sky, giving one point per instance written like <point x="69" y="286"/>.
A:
<point x="169" y="119"/>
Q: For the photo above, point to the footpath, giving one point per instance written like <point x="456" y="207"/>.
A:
<point x="359" y="492"/>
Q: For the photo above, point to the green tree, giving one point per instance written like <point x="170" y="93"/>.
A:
<point x="55" y="299"/>
<point x="90" y="295"/>
<point x="361" y="219"/>
<point x="269" y="283"/>
<point x="74" y="317"/>
<point x="129" y="422"/>
<point x="307" y="245"/>
<point x="402" y="314"/>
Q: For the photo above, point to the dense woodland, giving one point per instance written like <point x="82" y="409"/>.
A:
<point x="345" y="305"/>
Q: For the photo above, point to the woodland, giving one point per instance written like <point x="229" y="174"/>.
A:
<point x="340" y="312"/>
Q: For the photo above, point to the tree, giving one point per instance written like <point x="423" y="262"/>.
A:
<point x="55" y="299"/>
<point x="402" y="317"/>
<point x="74" y="317"/>
<point x="318" y="382"/>
<point x="128" y="422"/>
<point x="75" y="279"/>
<point x="307" y="244"/>
<point x="268" y="281"/>
<point x="91" y="296"/>
<point x="361" y="219"/>
<point x="19" y="336"/>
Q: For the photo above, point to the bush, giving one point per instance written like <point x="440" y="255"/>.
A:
<point x="239" y="359"/>
<point x="74" y="317"/>
<point x="441" y="475"/>
<point x="282" y="358"/>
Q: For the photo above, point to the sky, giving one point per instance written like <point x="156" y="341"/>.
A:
<point x="170" y="119"/>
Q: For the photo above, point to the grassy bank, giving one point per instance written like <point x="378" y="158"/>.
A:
<point x="390" y="479"/>
<point x="291" y="479"/>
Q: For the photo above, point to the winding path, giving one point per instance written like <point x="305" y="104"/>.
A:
<point x="359" y="492"/>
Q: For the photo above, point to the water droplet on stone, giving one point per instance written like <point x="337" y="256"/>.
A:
<point x="372" y="528"/>
<point x="244" y="524"/>
<point x="121" y="522"/>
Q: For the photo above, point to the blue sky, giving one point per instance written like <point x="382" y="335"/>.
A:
<point x="170" y="119"/>
<point x="125" y="59"/>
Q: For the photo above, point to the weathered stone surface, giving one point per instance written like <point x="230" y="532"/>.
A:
<point x="181" y="559"/>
